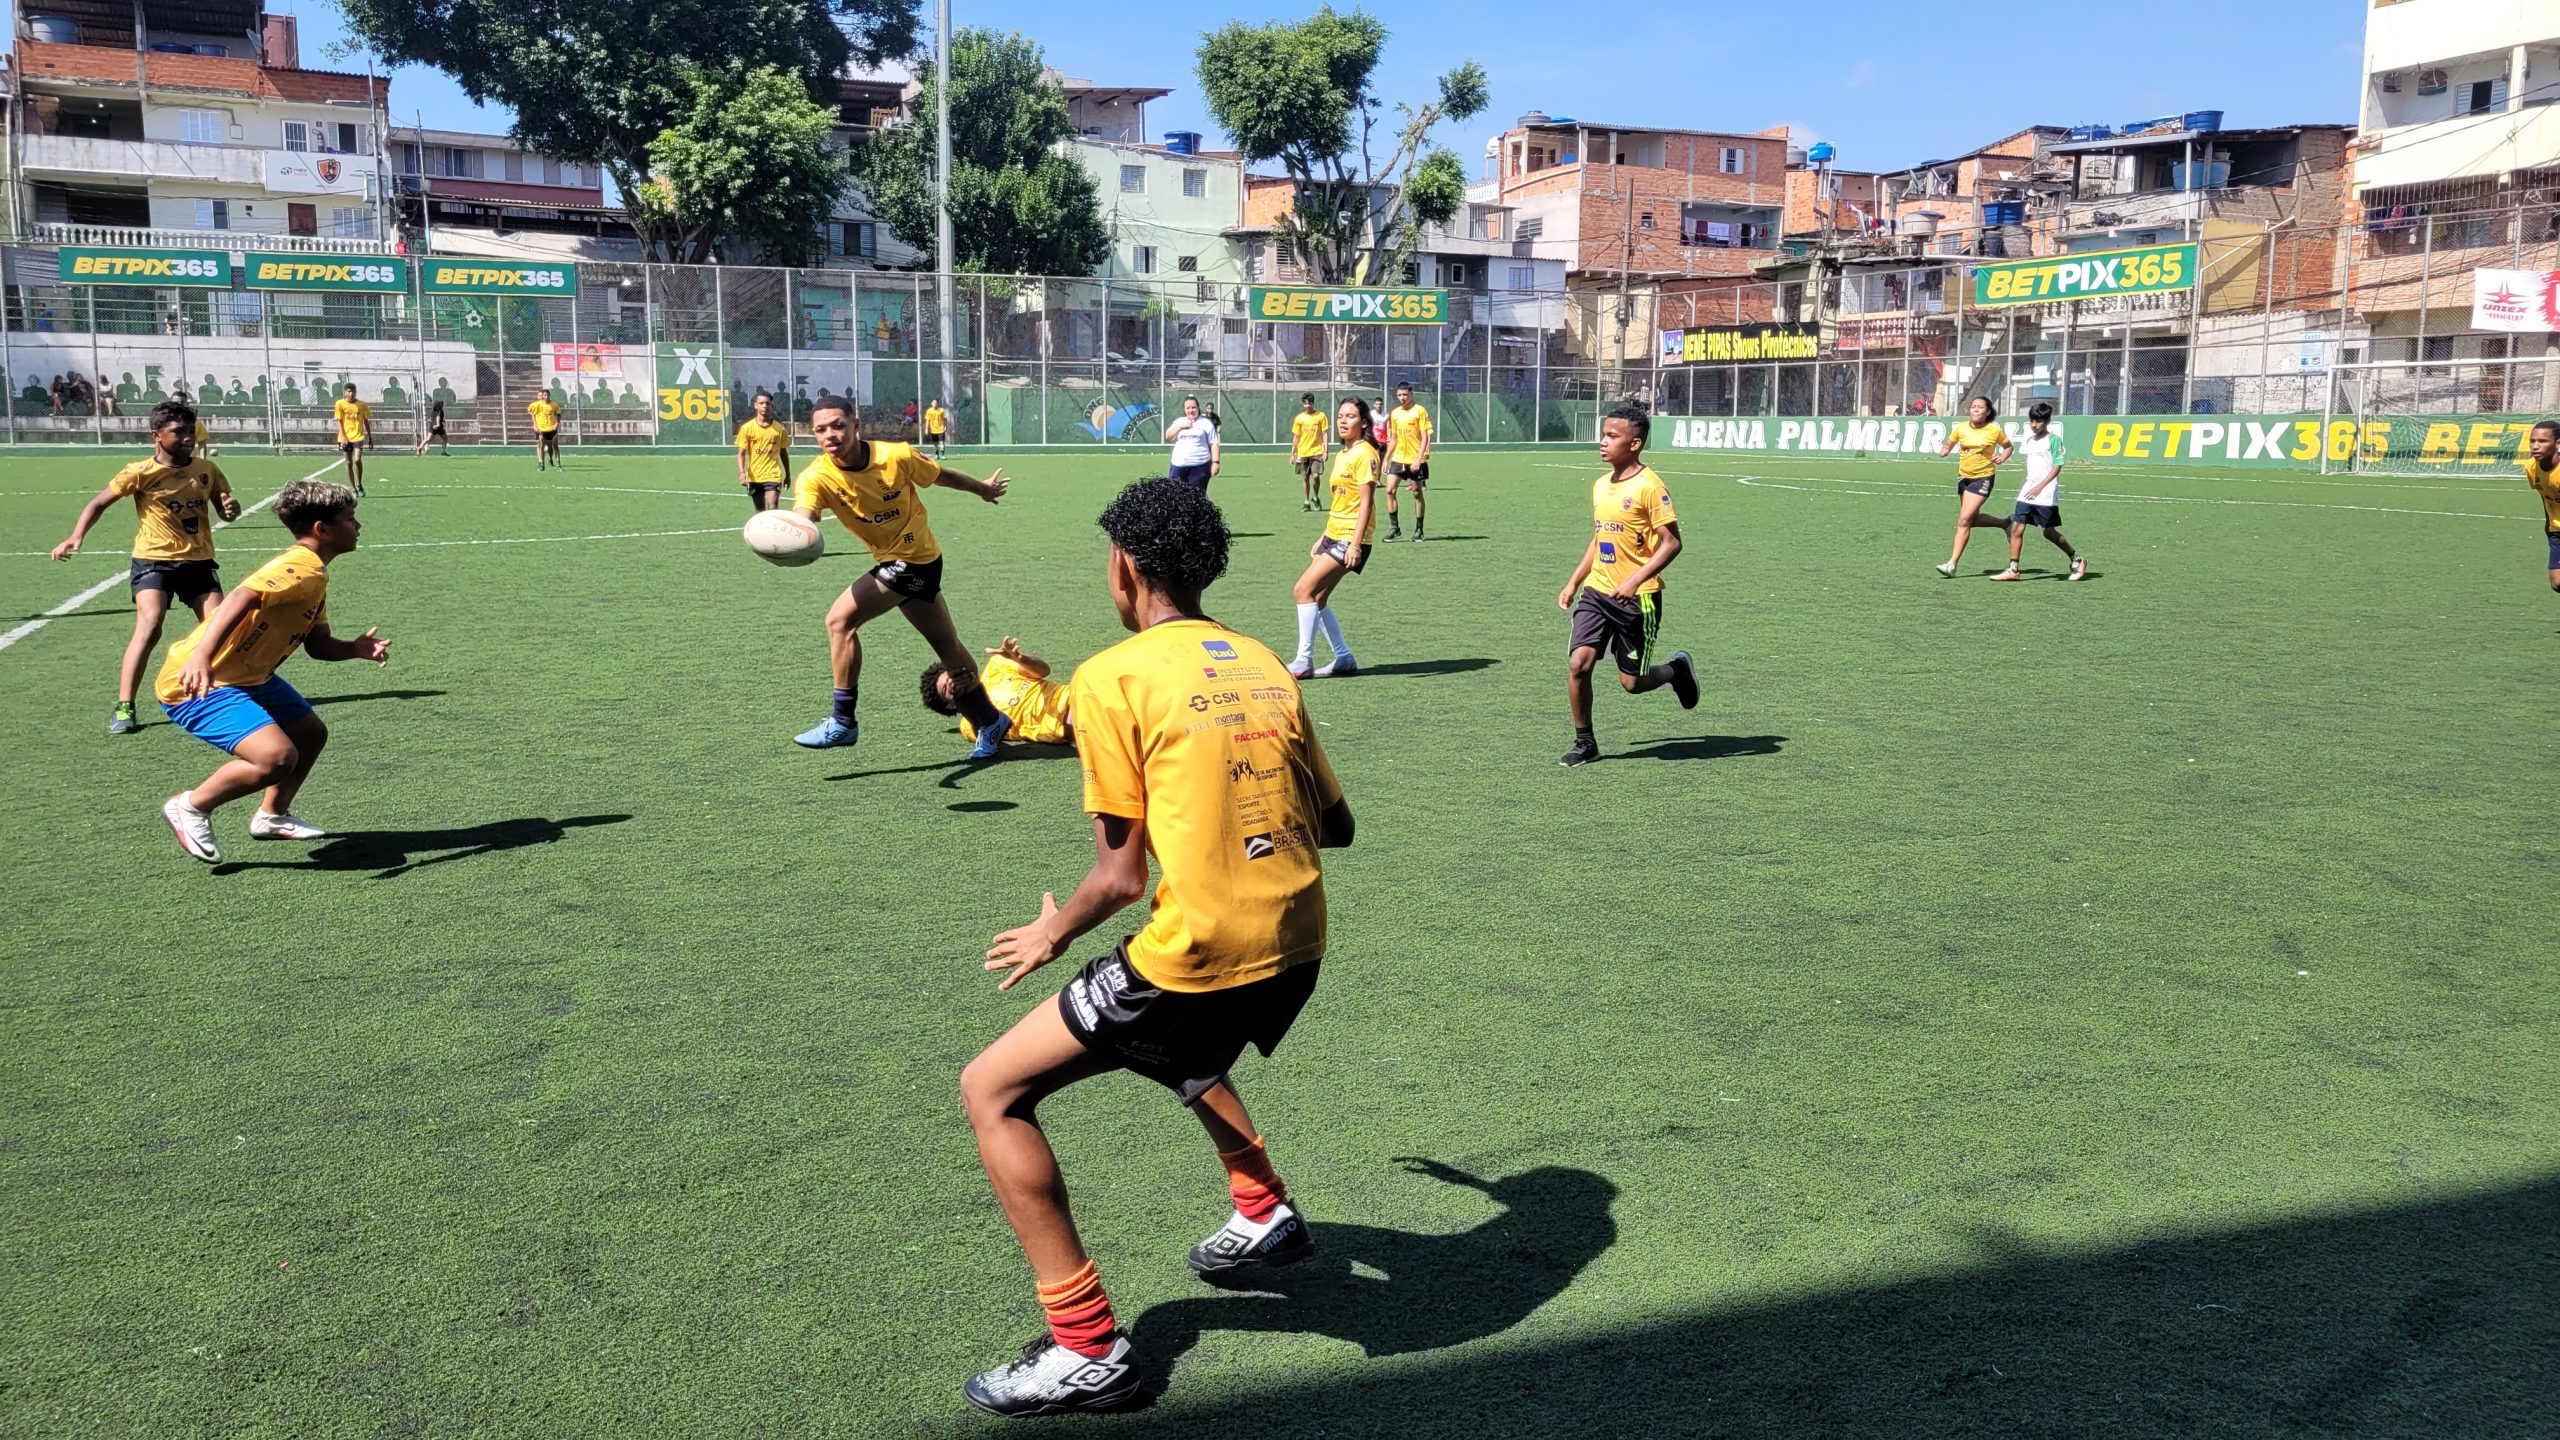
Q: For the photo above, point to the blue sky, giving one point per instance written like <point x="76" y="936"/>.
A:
<point x="1886" y="86"/>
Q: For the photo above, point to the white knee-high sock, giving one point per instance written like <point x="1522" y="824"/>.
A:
<point x="1333" y="632"/>
<point x="1306" y="632"/>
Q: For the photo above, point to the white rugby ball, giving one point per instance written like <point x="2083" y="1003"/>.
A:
<point x="785" y="537"/>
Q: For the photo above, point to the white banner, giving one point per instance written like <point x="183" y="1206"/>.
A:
<point x="2519" y="300"/>
<point x="299" y="172"/>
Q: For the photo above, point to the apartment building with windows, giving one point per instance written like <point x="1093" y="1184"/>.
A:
<point x="1643" y="204"/>
<point x="460" y="192"/>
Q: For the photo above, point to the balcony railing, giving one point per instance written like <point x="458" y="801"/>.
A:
<point x="144" y="159"/>
<point x="147" y="237"/>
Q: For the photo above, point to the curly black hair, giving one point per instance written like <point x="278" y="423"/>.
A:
<point x="173" y="411"/>
<point x="933" y="700"/>
<point x="1171" y="532"/>
<point x="1639" y="420"/>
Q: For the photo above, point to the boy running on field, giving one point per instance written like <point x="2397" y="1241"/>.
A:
<point x="1017" y="684"/>
<point x="937" y="427"/>
<point x="1306" y="449"/>
<point x="546" y="429"/>
<point x="876" y="488"/>
<point x="2040" y="498"/>
<point x="176" y="495"/>
<point x="764" y="455"/>
<point x="1408" y="457"/>
<point x="220" y="683"/>
<point x="434" y="433"/>
<point x="1615" y="595"/>
<point x="1197" y="750"/>
<point x="2542" y="472"/>
<point x="355" y="430"/>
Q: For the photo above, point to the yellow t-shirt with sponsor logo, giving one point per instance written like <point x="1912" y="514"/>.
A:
<point x="355" y="421"/>
<point x="1975" y="447"/>
<point x="172" y="507"/>
<point x="1199" y="732"/>
<point x="768" y="447"/>
<point x="935" y="418"/>
<point x="1406" y="427"/>
<point x="546" y="415"/>
<point x="2545" y="483"/>
<point x="292" y="593"/>
<point x="881" y="503"/>
<point x="1306" y="436"/>
<point x="1035" y="704"/>
<point x="1627" y="520"/>
<point x="1354" y="471"/>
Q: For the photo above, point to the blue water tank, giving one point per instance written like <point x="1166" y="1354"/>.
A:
<point x="2209" y="176"/>
<point x="54" y="29"/>
<point x="2204" y="120"/>
<point x="1182" y="142"/>
<point x="1821" y="153"/>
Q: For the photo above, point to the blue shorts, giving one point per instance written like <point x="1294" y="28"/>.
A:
<point x="1976" y="487"/>
<point x="228" y="714"/>
<point x="2037" y="517"/>
<point x="2555" y="550"/>
<point x="1189" y="475"/>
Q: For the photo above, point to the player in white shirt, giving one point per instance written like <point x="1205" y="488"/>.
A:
<point x="1194" y="439"/>
<point x="2040" y="498"/>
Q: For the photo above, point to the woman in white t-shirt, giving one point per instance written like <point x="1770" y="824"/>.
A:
<point x="2040" y="498"/>
<point x="1194" y="439"/>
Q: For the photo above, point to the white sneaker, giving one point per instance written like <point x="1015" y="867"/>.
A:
<point x="1050" y="1379"/>
<point x="1241" y="1244"/>
<point x="1948" y="569"/>
<point x="194" y="828"/>
<point x="268" y="825"/>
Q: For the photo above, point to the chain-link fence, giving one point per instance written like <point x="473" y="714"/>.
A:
<point x="671" y="355"/>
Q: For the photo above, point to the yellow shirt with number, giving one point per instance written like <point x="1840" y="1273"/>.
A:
<point x="546" y="416"/>
<point x="1306" y="436"/>
<point x="767" y="444"/>
<point x="1035" y="704"/>
<point x="934" y="419"/>
<point x="2545" y="483"/>
<point x="1199" y="732"/>
<point x="882" y="503"/>
<point x="1354" y="471"/>
<point x="292" y="593"/>
<point x="1407" y="425"/>
<point x="355" y="421"/>
<point x="1975" y="447"/>
<point x="1627" y="520"/>
<point x="172" y="507"/>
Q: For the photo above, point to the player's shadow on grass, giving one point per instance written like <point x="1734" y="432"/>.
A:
<point x="1702" y="747"/>
<point x="1396" y="1292"/>
<point x="363" y="695"/>
<point x="1455" y="666"/>
<point x="397" y="852"/>
<point x="964" y="767"/>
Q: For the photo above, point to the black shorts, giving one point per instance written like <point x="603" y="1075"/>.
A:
<point x="759" y="492"/>
<point x="350" y="447"/>
<point x="1339" y="552"/>
<point x="2040" y="517"/>
<point x="436" y="429"/>
<point x="934" y="437"/>
<point x="183" y="579"/>
<point x="1627" y="627"/>
<point x="1185" y="1041"/>
<point x="546" y="437"/>
<point x="913" y="579"/>
<point x="1418" y="473"/>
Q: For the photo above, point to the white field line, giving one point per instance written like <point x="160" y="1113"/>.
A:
<point x="103" y="586"/>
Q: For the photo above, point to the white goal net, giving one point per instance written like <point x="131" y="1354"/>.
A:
<point x="2441" y="417"/>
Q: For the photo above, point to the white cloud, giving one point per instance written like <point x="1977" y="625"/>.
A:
<point x="1860" y="76"/>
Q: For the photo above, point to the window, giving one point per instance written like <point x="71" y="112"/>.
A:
<point x="572" y="173"/>
<point x="858" y="239"/>
<point x="457" y="161"/>
<point x="1195" y="184"/>
<point x="2435" y="347"/>
<point x="297" y="135"/>
<point x="1531" y="228"/>
<point x="1142" y="259"/>
<point x="213" y="214"/>
<point x="1453" y="274"/>
<point x="1186" y="262"/>
<point x="1729" y="160"/>
<point x="203" y="127"/>
<point x="2481" y="96"/>
<point x="1524" y="277"/>
<point x="406" y="156"/>
<point x="1644" y="220"/>
<point x="1133" y="179"/>
<point x="347" y="140"/>
<point x="515" y="164"/>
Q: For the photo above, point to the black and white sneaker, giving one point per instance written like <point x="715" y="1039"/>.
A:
<point x="1243" y="1244"/>
<point x="1582" y="753"/>
<point x="1051" y="1379"/>
<point x="1684" y="679"/>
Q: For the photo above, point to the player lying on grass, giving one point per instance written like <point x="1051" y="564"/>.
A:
<point x="1197" y="749"/>
<point x="877" y="489"/>
<point x="2542" y="472"/>
<point x="1017" y="684"/>
<point x="220" y="683"/>
<point x="1349" y="528"/>
<point x="176" y="494"/>
<point x="1615" y="595"/>
<point x="1979" y="445"/>
<point x="2040" y="497"/>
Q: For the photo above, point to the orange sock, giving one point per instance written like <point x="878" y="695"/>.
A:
<point x="1079" y="1313"/>
<point x="1251" y="1180"/>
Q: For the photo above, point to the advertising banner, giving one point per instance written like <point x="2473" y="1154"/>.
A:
<point x="693" y="395"/>
<point x="299" y="172"/>
<point x="1775" y="340"/>
<point x="500" y="277"/>
<point x="567" y="359"/>
<point x="372" y="274"/>
<point x="2093" y="276"/>
<point x="87" y="265"/>
<point x="1315" y="303"/>
<point x="2515" y="300"/>
<point x="2455" y="443"/>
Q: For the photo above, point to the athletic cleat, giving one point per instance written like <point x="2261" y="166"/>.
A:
<point x="1948" y="570"/>
<point x="2009" y="574"/>
<point x="1342" y="665"/>
<point x="1051" y="1379"/>
<point x="1684" y="679"/>
<point x="1582" y="753"/>
<point x="991" y="739"/>
<point x="194" y="828"/>
<point x="1243" y="1244"/>
<point x="831" y="732"/>
<point x="267" y="825"/>
<point x="122" y="721"/>
<point x="2079" y="567"/>
<point x="1299" y="670"/>
<point x="1417" y="534"/>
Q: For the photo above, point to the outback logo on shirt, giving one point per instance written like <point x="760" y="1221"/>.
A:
<point x="1219" y="649"/>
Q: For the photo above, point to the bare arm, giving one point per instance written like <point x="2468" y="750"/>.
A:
<point x="1581" y="572"/>
<point x="1117" y="878"/>
<point x="1663" y="555"/>
<point x="321" y="645"/>
<point x="990" y="489"/>
<point x="1213" y="452"/>
<point x="1174" y="429"/>
<point x="742" y="465"/>
<point x="1032" y="665"/>
<point x="89" y="514"/>
<point x="1360" y="527"/>
<point x="225" y="504"/>
<point x="196" y="676"/>
<point x="2001" y="455"/>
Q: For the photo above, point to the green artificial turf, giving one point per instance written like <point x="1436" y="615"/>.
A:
<point x="2109" y="1009"/>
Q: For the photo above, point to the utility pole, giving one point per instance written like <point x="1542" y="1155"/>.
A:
<point x="944" y="244"/>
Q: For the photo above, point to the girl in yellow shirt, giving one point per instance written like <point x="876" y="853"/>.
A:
<point x="1349" y="525"/>
<point x="1979" y="446"/>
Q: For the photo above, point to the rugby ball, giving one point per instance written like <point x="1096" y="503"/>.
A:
<point x="785" y="537"/>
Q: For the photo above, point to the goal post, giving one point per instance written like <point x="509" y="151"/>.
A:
<point x="2436" y="417"/>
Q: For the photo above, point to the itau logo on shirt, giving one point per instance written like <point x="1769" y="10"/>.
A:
<point x="1608" y="552"/>
<point x="1219" y="649"/>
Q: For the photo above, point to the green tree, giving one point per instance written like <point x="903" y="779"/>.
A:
<point x="749" y="163"/>
<point x="1301" y="95"/>
<point x="598" y="81"/>
<point x="1020" y="204"/>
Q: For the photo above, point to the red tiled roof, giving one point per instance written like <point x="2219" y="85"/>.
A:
<point x="215" y="73"/>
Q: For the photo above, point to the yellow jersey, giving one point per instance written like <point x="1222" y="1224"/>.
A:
<point x="1407" y="427"/>
<point x="1306" y="436"/>
<point x="172" y="507"/>
<point x="1035" y="704"/>
<point x="1975" y="447"/>
<point x="204" y="434"/>
<point x="1627" y="520"/>
<point x="355" y="421"/>
<point x="546" y="415"/>
<point x="934" y="419"/>
<point x="1354" y="471"/>
<point x="882" y="503"/>
<point x="292" y="593"/>
<point x="2545" y="483"/>
<point x="767" y="444"/>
